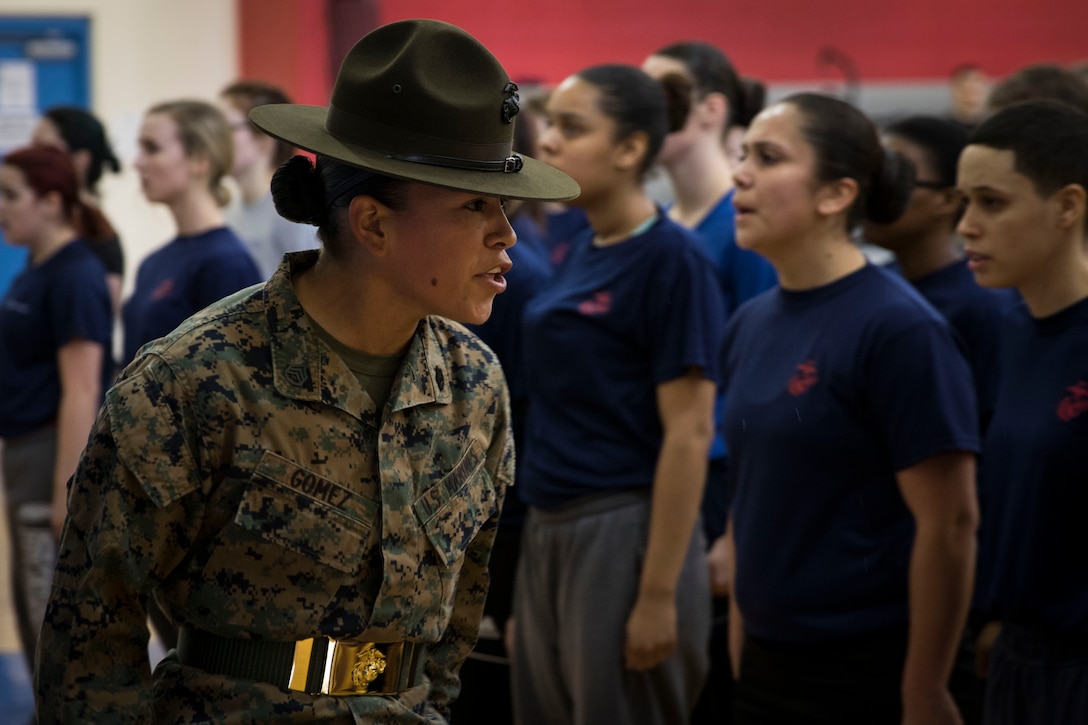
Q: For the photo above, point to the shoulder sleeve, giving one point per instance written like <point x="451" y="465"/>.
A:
<point x="79" y="303"/>
<point x="224" y="274"/>
<point x="128" y="525"/>
<point x="444" y="659"/>
<point x="685" y="314"/>
<point x="922" y="393"/>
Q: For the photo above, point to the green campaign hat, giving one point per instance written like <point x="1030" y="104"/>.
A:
<point x="425" y="101"/>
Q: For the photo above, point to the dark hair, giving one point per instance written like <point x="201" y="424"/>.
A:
<point x="846" y="146"/>
<point x="81" y="131"/>
<point x="1048" y="139"/>
<point x="50" y="170"/>
<point x="247" y="95"/>
<point x="712" y="72"/>
<point x="638" y="103"/>
<point x="1041" y="81"/>
<point x="301" y="193"/>
<point x="940" y="139"/>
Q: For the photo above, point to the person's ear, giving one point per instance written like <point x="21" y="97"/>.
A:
<point x="200" y="165"/>
<point x="52" y="204"/>
<point x="1070" y="202"/>
<point x="629" y="152"/>
<point x="835" y="197"/>
<point x="714" y="110"/>
<point x="949" y="202"/>
<point x="369" y="220"/>
<point x="265" y="143"/>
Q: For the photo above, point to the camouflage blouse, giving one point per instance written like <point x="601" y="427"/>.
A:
<point x="239" y="474"/>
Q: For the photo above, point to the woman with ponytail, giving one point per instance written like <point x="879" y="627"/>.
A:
<point x="184" y="154"/>
<point x="80" y="135"/>
<point x="695" y="158"/>
<point x="612" y="601"/>
<point x="55" y="331"/>
<point x="853" y="430"/>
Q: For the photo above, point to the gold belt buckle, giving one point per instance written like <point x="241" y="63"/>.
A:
<point x="350" y="668"/>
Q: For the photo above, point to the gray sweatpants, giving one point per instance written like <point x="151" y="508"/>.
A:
<point x="28" y="493"/>
<point x="576" y="585"/>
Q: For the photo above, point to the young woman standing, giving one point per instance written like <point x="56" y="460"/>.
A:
<point x="622" y="352"/>
<point x="929" y="253"/>
<point x="853" y="428"/>
<point x="1024" y="175"/>
<point x="80" y="135"/>
<point x="55" y="331"/>
<point x="695" y="159"/>
<point x="185" y="151"/>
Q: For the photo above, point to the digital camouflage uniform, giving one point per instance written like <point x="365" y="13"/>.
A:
<point x="239" y="473"/>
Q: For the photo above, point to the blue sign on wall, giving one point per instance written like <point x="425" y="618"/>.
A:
<point x="44" y="62"/>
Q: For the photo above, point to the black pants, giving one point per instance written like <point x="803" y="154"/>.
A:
<point x="1037" y="679"/>
<point x="842" y="682"/>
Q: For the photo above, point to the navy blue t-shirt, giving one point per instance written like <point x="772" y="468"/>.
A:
<point x="613" y="324"/>
<point x="560" y="229"/>
<point x="831" y="392"/>
<point x="48" y="306"/>
<point x="1033" y="565"/>
<point x="182" y="278"/>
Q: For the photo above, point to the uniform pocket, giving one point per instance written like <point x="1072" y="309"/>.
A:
<point x="285" y="541"/>
<point x="290" y="506"/>
<point x="453" y="510"/>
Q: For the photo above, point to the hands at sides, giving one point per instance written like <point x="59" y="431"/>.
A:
<point x="720" y="560"/>
<point x="651" y="631"/>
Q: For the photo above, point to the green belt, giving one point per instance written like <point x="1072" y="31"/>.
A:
<point x="318" y="665"/>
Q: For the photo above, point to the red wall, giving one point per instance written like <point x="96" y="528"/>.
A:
<point x="776" y="40"/>
<point x="288" y="41"/>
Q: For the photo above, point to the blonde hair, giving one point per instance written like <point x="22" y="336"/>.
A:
<point x="203" y="131"/>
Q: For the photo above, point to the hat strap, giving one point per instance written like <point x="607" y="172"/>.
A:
<point x="510" y="165"/>
<point x="354" y="129"/>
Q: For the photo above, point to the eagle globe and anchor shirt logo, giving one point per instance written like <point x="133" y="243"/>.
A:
<point x="599" y="303"/>
<point x="1075" y="401"/>
<point x="804" y="377"/>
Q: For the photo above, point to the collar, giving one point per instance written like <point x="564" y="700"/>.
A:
<point x="305" y="368"/>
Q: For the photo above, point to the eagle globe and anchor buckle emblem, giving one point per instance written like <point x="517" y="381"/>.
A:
<point x="369" y="666"/>
<point x="353" y="668"/>
<point x="357" y="668"/>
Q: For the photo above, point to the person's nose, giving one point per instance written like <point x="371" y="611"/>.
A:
<point x="968" y="226"/>
<point x="504" y="235"/>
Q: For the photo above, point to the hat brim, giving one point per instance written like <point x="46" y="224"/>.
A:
<point x="304" y="127"/>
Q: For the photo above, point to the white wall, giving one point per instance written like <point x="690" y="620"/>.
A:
<point x="143" y="52"/>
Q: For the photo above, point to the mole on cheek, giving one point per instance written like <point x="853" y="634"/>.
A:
<point x="434" y="281"/>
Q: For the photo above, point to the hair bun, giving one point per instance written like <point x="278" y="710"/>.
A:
<point x="751" y="97"/>
<point x="298" y="192"/>
<point x="678" y="90"/>
<point x="891" y="189"/>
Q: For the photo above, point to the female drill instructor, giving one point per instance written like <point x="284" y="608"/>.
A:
<point x="307" y="475"/>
